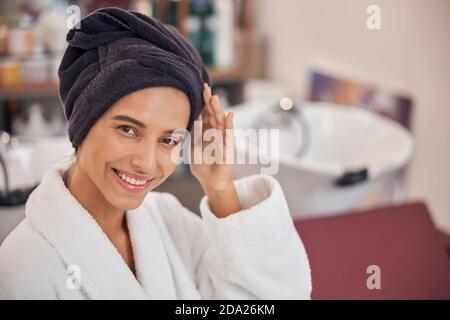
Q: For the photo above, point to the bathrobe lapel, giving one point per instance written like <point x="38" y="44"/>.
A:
<point x="79" y="241"/>
<point x="152" y="265"/>
<point x="181" y="284"/>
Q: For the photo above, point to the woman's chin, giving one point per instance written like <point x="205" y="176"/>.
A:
<point x="126" y="200"/>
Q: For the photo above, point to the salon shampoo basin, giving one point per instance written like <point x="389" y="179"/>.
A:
<point x="331" y="158"/>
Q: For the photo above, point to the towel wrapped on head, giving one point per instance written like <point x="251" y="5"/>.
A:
<point x="116" y="52"/>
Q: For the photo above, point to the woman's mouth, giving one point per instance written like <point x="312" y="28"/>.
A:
<point x="131" y="182"/>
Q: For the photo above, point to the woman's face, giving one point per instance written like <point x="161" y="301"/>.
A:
<point x="127" y="153"/>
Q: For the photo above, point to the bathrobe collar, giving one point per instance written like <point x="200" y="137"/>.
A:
<point x="56" y="214"/>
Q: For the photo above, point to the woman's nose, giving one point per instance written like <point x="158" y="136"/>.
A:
<point x="144" y="160"/>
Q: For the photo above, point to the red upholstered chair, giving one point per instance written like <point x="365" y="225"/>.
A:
<point x="401" y="240"/>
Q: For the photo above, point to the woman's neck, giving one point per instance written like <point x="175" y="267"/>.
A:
<point x="110" y="219"/>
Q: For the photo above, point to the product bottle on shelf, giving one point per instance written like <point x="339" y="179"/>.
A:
<point x="142" y="6"/>
<point x="36" y="69"/>
<point x="201" y="28"/>
<point x="172" y="11"/>
<point x="224" y="44"/>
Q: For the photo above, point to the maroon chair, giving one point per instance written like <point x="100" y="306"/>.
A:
<point x="401" y="240"/>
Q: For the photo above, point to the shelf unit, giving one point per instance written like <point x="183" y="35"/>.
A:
<point x="22" y="91"/>
<point x="50" y="89"/>
<point x="231" y="80"/>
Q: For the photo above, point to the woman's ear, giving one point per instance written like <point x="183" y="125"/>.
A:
<point x="75" y="154"/>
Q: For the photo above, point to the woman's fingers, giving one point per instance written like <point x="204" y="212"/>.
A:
<point x="198" y="130"/>
<point x="208" y="109"/>
<point x="206" y="112"/>
<point x="229" y="120"/>
<point x="214" y="116"/>
<point x="229" y="137"/>
<point x="206" y="98"/>
<point x="219" y="114"/>
<point x="213" y="110"/>
<point x="205" y="92"/>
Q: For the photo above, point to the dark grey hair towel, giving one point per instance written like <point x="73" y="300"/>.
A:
<point x="116" y="52"/>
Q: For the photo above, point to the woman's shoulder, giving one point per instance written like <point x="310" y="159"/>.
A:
<point x="22" y="239"/>
<point x="24" y="247"/>
<point x="27" y="260"/>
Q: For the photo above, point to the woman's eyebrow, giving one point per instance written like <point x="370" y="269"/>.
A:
<point x="173" y="131"/>
<point x="129" y="119"/>
<point x="138" y="123"/>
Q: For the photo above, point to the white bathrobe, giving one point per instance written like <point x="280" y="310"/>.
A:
<point x="255" y="253"/>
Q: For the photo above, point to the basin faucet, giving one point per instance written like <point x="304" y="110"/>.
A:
<point x="287" y="114"/>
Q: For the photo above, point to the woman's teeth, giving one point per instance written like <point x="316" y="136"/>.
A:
<point x="131" y="181"/>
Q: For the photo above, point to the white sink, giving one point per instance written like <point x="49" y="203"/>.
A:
<point x="336" y="140"/>
<point x="27" y="163"/>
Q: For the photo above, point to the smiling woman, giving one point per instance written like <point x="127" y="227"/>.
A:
<point x="130" y="87"/>
<point x="122" y="158"/>
<point x="128" y="150"/>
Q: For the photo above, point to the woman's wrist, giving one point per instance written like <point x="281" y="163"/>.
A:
<point x="223" y="199"/>
<point x="217" y="187"/>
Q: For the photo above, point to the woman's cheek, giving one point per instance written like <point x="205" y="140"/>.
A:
<point x="167" y="163"/>
<point x="118" y="146"/>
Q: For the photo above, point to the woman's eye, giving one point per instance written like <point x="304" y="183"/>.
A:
<point x="127" y="130"/>
<point x="170" y="141"/>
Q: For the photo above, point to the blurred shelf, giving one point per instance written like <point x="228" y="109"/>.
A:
<point x="219" y="77"/>
<point x="49" y="89"/>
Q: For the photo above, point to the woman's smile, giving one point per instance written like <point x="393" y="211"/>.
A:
<point x="131" y="182"/>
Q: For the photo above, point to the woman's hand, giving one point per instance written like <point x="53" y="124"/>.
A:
<point x="216" y="177"/>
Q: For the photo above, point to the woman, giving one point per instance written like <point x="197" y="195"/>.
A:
<point x="93" y="229"/>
